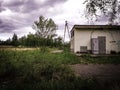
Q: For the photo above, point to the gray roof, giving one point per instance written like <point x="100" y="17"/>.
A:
<point x="97" y="27"/>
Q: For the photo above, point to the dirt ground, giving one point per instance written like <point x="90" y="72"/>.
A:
<point x="101" y="72"/>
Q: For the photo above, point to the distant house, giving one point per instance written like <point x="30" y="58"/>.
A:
<point x="95" y="39"/>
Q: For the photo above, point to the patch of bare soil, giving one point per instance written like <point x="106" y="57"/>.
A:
<point x="16" y="48"/>
<point x="57" y="51"/>
<point x="99" y="71"/>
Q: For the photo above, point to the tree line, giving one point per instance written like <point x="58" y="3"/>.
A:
<point x="32" y="40"/>
<point x="45" y="35"/>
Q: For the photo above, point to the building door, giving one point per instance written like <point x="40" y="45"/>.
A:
<point x="102" y="44"/>
<point x="94" y="46"/>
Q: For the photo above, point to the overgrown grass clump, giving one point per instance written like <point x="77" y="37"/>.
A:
<point x="35" y="69"/>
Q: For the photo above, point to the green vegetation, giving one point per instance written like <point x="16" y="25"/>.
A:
<point x="45" y="28"/>
<point x="36" y="70"/>
<point x="40" y="69"/>
<point x="32" y="40"/>
<point x="111" y="59"/>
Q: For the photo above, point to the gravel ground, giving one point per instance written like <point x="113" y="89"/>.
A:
<point x="102" y="72"/>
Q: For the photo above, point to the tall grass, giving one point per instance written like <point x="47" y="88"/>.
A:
<point x="42" y="70"/>
<point x="33" y="69"/>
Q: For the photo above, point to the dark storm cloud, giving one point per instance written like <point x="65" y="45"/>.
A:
<point x="27" y="6"/>
<point x="23" y="11"/>
<point x="14" y="3"/>
<point x="1" y="8"/>
<point x="6" y="26"/>
<point x="53" y="2"/>
<point x="30" y="6"/>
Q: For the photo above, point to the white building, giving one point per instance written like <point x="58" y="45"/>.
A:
<point x="96" y="39"/>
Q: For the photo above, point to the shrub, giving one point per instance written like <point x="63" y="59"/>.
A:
<point x="7" y="69"/>
<point x="50" y="71"/>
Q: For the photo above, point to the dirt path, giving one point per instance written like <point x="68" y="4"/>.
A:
<point x="102" y="72"/>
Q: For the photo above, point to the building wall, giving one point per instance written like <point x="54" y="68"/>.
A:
<point x="72" y="44"/>
<point x="83" y="38"/>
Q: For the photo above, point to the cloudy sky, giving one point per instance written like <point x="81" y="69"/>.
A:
<point x="18" y="16"/>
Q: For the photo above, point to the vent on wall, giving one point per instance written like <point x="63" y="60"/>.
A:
<point x="83" y="49"/>
<point x="112" y="41"/>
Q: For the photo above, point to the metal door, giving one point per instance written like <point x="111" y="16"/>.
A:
<point x="95" y="47"/>
<point x="102" y="44"/>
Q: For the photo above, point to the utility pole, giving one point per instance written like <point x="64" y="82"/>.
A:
<point x="66" y="29"/>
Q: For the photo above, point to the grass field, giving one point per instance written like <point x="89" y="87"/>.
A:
<point x="33" y="69"/>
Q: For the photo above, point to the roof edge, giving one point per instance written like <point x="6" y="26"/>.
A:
<point x="96" y="27"/>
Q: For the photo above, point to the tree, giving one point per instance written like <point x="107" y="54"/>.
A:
<point x="15" y="40"/>
<point x="45" y="28"/>
<point x="109" y="8"/>
<point x="58" y="41"/>
<point x="8" y="42"/>
<point x="1" y="42"/>
<point x="22" y="41"/>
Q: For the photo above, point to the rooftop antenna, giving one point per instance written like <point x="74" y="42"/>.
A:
<point x="66" y="29"/>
